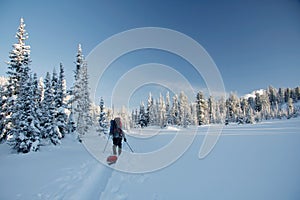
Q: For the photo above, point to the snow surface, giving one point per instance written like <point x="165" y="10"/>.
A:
<point x="259" y="161"/>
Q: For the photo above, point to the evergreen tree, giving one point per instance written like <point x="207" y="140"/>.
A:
<point x="18" y="67"/>
<point x="272" y="93"/>
<point x="102" y="118"/>
<point x="19" y="60"/>
<point x="59" y="94"/>
<point x="201" y="109"/>
<point x="142" y="117"/>
<point x="150" y="110"/>
<point x="175" y="111"/>
<point x="290" y="108"/>
<point x="233" y="108"/>
<point x="266" y="108"/>
<point x="36" y="102"/>
<point x="258" y="102"/>
<point x="48" y="121"/>
<point x="287" y="95"/>
<point x="25" y="135"/>
<point x="168" y="109"/>
<point x="211" y="110"/>
<point x="161" y="111"/>
<point x="297" y="91"/>
<point x="79" y="62"/>
<point x="280" y="96"/>
<point x="184" y="111"/>
<point x="221" y="114"/>
<point x="82" y="101"/>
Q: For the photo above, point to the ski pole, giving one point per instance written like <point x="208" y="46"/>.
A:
<point x="129" y="147"/>
<point x="106" y="144"/>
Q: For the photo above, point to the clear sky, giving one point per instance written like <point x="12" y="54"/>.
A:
<point x="254" y="43"/>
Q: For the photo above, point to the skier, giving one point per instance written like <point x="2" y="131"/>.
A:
<point x="117" y="134"/>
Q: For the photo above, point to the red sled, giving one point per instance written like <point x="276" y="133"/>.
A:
<point x="111" y="159"/>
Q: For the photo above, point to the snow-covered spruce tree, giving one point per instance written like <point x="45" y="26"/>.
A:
<point x="19" y="59"/>
<point x="103" y="118"/>
<point x="82" y="101"/>
<point x="175" y="111"/>
<point x="161" y="111"/>
<point x="297" y="92"/>
<point x="273" y="100"/>
<point x="168" y="109"/>
<point x="184" y="110"/>
<point x="24" y="131"/>
<point x="36" y="102"/>
<point x="258" y="107"/>
<point x="211" y="110"/>
<point x="48" y="122"/>
<point x="17" y="66"/>
<point x="59" y="92"/>
<point x="221" y="114"/>
<point x="201" y="108"/>
<point x="150" y="110"/>
<point x="287" y="95"/>
<point x="233" y="108"/>
<point x="290" y="108"/>
<point x="266" y="108"/>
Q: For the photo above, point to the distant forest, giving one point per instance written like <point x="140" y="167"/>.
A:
<point x="265" y="104"/>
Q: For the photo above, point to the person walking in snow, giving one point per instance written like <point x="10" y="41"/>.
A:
<point x="117" y="135"/>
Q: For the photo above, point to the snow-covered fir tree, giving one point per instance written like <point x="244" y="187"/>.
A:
<point x="18" y="66"/>
<point x="59" y="94"/>
<point x="233" y="108"/>
<point x="25" y="134"/>
<point x="79" y="62"/>
<point x="211" y="110"/>
<point x="150" y="110"/>
<point x="266" y="108"/>
<point x="290" y="108"/>
<point x="103" y="122"/>
<point x="80" y="96"/>
<point x="201" y="109"/>
<point x="50" y="131"/>
<point x="168" y="109"/>
<point x="142" y="116"/>
<point x="161" y="111"/>
<point x="19" y="59"/>
<point x="21" y="121"/>
<point x="184" y="110"/>
<point x="175" y="110"/>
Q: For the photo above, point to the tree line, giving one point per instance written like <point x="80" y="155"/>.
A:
<point x="265" y="104"/>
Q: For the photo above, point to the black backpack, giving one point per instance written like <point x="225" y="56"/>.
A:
<point x="116" y="128"/>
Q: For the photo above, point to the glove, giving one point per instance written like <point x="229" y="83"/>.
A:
<point x="125" y="140"/>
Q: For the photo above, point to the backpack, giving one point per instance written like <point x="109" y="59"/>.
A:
<point x="116" y="128"/>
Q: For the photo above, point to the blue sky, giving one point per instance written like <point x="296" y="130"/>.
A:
<point x="254" y="43"/>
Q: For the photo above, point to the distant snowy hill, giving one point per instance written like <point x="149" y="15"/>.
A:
<point x="253" y="94"/>
<point x="254" y="161"/>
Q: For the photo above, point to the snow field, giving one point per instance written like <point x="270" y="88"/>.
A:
<point x="259" y="161"/>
